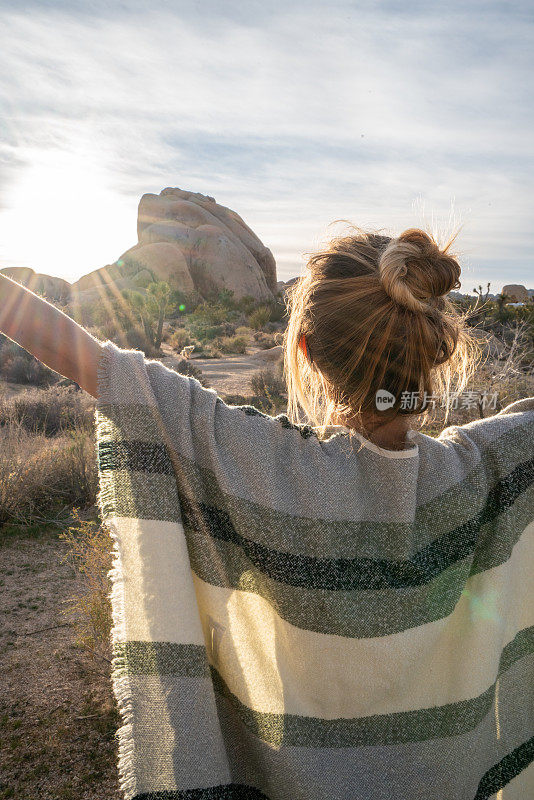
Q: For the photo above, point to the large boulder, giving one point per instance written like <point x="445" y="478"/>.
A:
<point x="244" y="264"/>
<point x="164" y="260"/>
<point x="516" y="293"/>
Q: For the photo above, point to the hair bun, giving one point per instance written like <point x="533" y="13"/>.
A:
<point x="413" y="270"/>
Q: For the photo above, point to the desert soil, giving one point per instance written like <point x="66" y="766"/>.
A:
<point x="231" y="374"/>
<point x="57" y="713"/>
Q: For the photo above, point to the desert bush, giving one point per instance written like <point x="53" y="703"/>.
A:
<point x="278" y="311"/>
<point x="40" y="475"/>
<point x="246" y="304"/>
<point x="209" y="349"/>
<point x="27" y="369"/>
<point x="244" y="330"/>
<point x="49" y="411"/>
<point x="259" y="317"/>
<point x="180" y="338"/>
<point x="90" y="555"/>
<point x="266" y="340"/>
<point x="267" y="382"/>
<point x="233" y="344"/>
<point x="136" y="339"/>
<point x="225" y="298"/>
<point x="235" y="400"/>
<point x="9" y="349"/>
<point x="204" y="331"/>
<point x="109" y="329"/>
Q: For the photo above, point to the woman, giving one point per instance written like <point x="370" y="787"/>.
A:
<point x="343" y="609"/>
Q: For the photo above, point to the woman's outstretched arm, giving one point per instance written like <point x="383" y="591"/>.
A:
<point x="49" y="334"/>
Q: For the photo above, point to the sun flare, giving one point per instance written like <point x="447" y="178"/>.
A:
<point x="65" y="217"/>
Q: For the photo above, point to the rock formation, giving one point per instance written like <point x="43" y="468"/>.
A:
<point x="516" y="293"/>
<point x="193" y="243"/>
<point x="54" y="289"/>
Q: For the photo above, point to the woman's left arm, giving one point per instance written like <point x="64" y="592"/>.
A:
<point x="49" y="334"/>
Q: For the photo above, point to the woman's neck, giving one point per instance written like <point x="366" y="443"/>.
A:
<point x="389" y="435"/>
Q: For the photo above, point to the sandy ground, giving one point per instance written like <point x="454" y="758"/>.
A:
<point x="231" y="374"/>
<point x="57" y="712"/>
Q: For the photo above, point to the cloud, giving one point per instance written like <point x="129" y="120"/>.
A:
<point x="293" y="114"/>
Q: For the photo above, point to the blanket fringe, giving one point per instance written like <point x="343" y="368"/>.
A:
<point x="106" y="503"/>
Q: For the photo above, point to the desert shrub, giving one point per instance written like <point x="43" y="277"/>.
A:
<point x="259" y="317"/>
<point x="109" y="329"/>
<point x="267" y="382"/>
<point x="235" y="400"/>
<point x="278" y="311"/>
<point x="244" y="330"/>
<point x="233" y="344"/>
<point x="209" y="350"/>
<point x="9" y="349"/>
<point x="203" y="330"/>
<point x="90" y="555"/>
<point x="246" y="304"/>
<point x="27" y="369"/>
<point x="136" y="339"/>
<point x="213" y="313"/>
<point x="40" y="476"/>
<point x="49" y="411"/>
<point x="273" y="327"/>
<point x="180" y="338"/>
<point x="225" y="298"/>
<point x="266" y="340"/>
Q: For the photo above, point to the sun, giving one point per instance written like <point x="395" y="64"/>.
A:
<point x="64" y="217"/>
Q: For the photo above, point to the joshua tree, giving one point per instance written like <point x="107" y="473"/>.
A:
<point x="159" y="295"/>
<point x="139" y="305"/>
<point x="150" y="308"/>
<point x="502" y="299"/>
<point x="483" y="295"/>
<point x="481" y="304"/>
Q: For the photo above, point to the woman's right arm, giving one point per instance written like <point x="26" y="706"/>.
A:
<point x="49" y="334"/>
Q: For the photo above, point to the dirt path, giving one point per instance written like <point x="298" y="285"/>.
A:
<point x="57" y="713"/>
<point x="232" y="374"/>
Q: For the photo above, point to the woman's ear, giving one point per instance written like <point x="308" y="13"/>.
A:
<point x="304" y="347"/>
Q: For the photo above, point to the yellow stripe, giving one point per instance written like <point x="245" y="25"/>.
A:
<point x="159" y="595"/>
<point x="273" y="666"/>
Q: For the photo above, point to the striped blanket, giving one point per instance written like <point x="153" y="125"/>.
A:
<point x="299" y="619"/>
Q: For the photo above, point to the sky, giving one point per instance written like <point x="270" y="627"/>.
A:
<point x="295" y="114"/>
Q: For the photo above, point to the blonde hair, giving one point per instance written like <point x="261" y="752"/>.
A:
<point x="375" y="316"/>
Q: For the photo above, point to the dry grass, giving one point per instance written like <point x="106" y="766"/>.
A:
<point x="49" y="410"/>
<point x="41" y="477"/>
<point x="259" y="317"/>
<point x="233" y="344"/>
<point x="89" y="547"/>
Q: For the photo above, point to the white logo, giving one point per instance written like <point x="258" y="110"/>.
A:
<point x="384" y="399"/>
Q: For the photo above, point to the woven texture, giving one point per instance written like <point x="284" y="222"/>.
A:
<point x="300" y="619"/>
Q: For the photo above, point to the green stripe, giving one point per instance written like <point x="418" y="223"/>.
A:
<point x="452" y="719"/>
<point x="506" y="770"/>
<point x="346" y="613"/>
<point x="160" y="658"/>
<point x="341" y="613"/>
